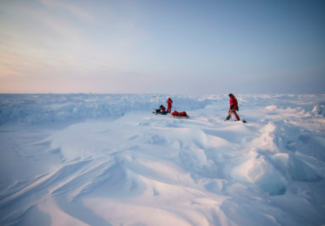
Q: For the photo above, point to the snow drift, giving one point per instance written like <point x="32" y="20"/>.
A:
<point x="107" y="160"/>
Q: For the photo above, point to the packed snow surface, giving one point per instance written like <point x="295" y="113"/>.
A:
<point x="100" y="160"/>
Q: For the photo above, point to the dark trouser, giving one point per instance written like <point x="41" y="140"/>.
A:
<point x="232" y="111"/>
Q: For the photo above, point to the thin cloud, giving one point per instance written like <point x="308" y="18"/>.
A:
<point x="71" y="8"/>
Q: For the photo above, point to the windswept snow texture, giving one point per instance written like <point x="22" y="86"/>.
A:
<point x="107" y="160"/>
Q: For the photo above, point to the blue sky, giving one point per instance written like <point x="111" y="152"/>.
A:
<point x="149" y="46"/>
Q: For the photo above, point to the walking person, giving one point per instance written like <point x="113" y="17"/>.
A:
<point x="233" y="107"/>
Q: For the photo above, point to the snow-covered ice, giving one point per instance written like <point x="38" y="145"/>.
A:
<point x="79" y="159"/>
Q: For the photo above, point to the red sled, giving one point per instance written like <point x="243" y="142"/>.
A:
<point x="177" y="114"/>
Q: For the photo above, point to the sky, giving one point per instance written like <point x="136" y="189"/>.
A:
<point x="162" y="46"/>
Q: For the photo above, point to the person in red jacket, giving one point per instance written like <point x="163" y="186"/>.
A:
<point x="233" y="107"/>
<point x="161" y="110"/>
<point x="169" y="105"/>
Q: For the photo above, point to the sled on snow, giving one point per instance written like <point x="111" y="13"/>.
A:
<point x="177" y="114"/>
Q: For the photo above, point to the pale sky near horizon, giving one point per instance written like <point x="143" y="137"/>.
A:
<point x="164" y="46"/>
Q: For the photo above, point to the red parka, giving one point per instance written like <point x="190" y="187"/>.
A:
<point x="169" y="105"/>
<point x="233" y="101"/>
<point x="169" y="102"/>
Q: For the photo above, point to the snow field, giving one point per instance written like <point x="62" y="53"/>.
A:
<point x="130" y="167"/>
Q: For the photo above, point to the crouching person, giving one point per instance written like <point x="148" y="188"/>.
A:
<point x="161" y="110"/>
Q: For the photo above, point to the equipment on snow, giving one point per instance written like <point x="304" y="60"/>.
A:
<point x="159" y="113"/>
<point x="177" y="114"/>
